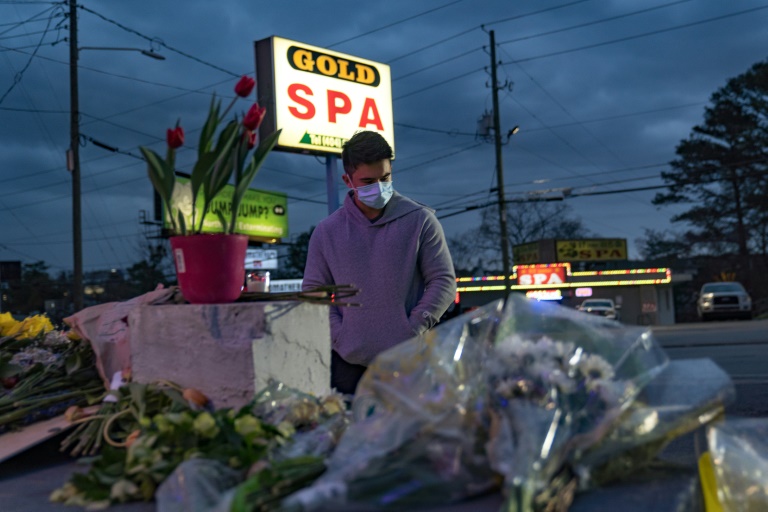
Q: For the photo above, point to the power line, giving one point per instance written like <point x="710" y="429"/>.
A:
<point x="23" y="35"/>
<point x="48" y="235"/>
<point x="28" y="256"/>
<point x="96" y="70"/>
<point x="420" y="164"/>
<point x="158" y="41"/>
<point x="622" y="191"/>
<point x="17" y="48"/>
<point x="613" y="171"/>
<point x="34" y="110"/>
<point x="435" y="130"/>
<point x="69" y="242"/>
<point x="604" y="43"/>
<point x="548" y="9"/>
<point x="394" y="23"/>
<point x="438" y="63"/>
<point x="600" y="173"/>
<point x="594" y="22"/>
<point x="443" y="82"/>
<point x="31" y="19"/>
<point x="562" y="125"/>
<point x="467" y="31"/>
<point x="17" y="78"/>
<point x="638" y="36"/>
<point x="576" y="194"/>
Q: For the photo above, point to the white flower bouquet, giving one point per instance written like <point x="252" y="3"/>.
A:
<point x="558" y="381"/>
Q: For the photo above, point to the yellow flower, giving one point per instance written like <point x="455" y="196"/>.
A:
<point x="205" y="425"/>
<point x="72" y="335"/>
<point x="286" y="429"/>
<point x="31" y="327"/>
<point x="248" y="426"/>
<point x="333" y="404"/>
<point x="7" y="322"/>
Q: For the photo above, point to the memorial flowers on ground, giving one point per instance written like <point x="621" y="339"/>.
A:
<point x="43" y="371"/>
<point x="153" y="429"/>
<point x="497" y="399"/>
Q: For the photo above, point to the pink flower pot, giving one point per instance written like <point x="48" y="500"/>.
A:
<point x="210" y="267"/>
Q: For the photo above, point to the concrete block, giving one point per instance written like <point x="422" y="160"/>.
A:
<point x="230" y="351"/>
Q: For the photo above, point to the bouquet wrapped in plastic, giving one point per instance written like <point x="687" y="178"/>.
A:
<point x="558" y="381"/>
<point x="308" y="428"/>
<point x="417" y="439"/>
<point x="502" y="396"/>
<point x="688" y="394"/>
<point x="739" y="449"/>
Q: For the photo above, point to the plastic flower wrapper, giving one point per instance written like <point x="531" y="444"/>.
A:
<point x="287" y="407"/>
<point x="417" y="437"/>
<point x="315" y="424"/>
<point x="686" y="395"/>
<point x="558" y="379"/>
<point x="196" y="485"/>
<point x="739" y="450"/>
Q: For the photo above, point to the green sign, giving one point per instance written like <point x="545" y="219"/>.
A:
<point x="261" y="214"/>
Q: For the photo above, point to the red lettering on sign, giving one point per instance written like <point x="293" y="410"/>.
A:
<point x="537" y="275"/>
<point x="335" y="108"/>
<point x="370" y="115"/>
<point x="293" y="93"/>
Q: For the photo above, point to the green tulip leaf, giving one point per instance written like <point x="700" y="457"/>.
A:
<point x="248" y="175"/>
<point x="182" y="224"/>
<point x="209" y="128"/>
<point x="223" y="220"/>
<point x="162" y="176"/>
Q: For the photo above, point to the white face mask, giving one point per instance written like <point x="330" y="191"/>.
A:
<point x="376" y="195"/>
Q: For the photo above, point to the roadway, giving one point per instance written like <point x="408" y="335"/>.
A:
<point x="738" y="347"/>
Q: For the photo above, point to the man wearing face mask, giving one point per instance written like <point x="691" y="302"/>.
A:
<point x="392" y="249"/>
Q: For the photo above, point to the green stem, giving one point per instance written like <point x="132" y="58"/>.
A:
<point x="226" y="111"/>
<point x="31" y="401"/>
<point x="21" y="413"/>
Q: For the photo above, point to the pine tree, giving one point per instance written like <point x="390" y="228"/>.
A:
<point x="721" y="169"/>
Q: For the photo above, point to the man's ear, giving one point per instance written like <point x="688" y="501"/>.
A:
<point x="347" y="181"/>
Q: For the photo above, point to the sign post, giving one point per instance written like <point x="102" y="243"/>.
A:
<point x="331" y="183"/>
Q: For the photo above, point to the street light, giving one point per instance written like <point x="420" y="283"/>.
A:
<point x="73" y="154"/>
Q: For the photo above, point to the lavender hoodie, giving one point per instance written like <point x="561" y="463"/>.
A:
<point x="401" y="265"/>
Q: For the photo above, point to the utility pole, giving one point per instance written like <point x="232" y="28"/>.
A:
<point x="73" y="160"/>
<point x="499" y="169"/>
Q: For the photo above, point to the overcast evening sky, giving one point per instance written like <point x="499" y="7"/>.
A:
<point x="603" y="91"/>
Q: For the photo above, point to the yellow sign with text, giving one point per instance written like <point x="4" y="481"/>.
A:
<point x="592" y="249"/>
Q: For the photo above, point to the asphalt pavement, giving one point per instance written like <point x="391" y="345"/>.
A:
<point x="738" y="347"/>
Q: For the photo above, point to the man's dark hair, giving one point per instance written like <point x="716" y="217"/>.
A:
<point x="365" y="147"/>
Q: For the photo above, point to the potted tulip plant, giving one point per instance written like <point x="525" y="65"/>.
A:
<point x="210" y="267"/>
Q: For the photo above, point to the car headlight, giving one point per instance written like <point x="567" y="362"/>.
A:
<point x="746" y="300"/>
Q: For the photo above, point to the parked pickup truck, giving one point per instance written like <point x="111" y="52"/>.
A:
<point x="726" y="299"/>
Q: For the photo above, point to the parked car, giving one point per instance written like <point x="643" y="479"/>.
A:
<point x="602" y="307"/>
<point x="725" y="299"/>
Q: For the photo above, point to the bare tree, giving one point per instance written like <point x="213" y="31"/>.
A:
<point x="479" y="250"/>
